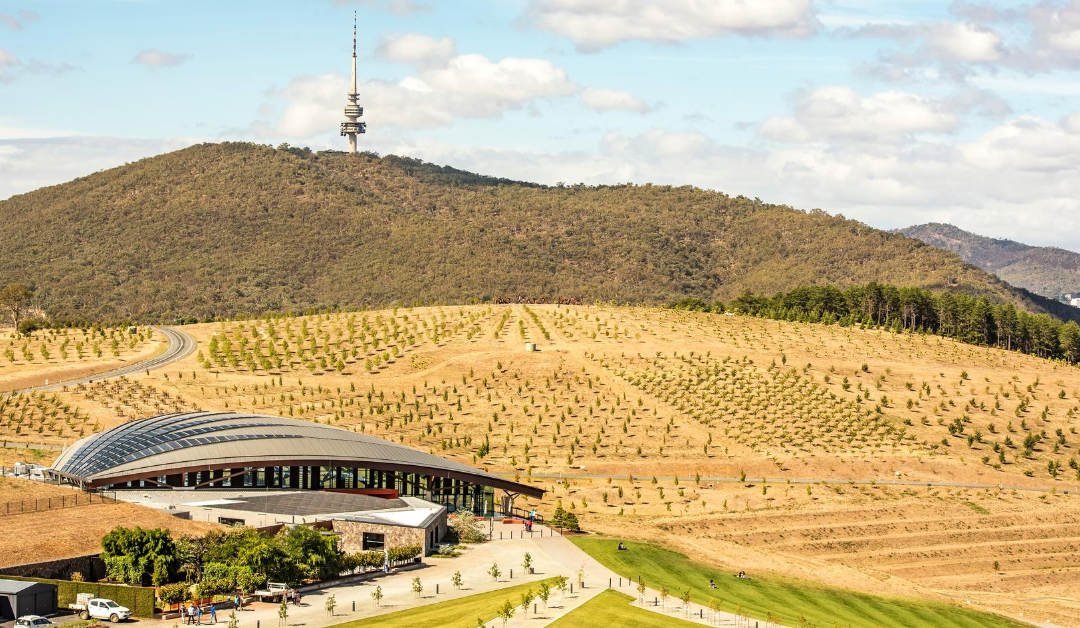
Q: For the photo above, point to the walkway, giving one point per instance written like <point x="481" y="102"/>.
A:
<point x="552" y="555"/>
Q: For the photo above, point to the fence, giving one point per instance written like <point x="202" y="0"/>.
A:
<point x="56" y="503"/>
<point x="139" y="599"/>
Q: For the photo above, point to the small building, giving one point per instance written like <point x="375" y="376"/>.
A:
<point x="417" y="522"/>
<point x="18" y="598"/>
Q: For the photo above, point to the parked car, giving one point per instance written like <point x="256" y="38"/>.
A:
<point x="99" y="608"/>
<point x="34" y="621"/>
<point x="274" y="591"/>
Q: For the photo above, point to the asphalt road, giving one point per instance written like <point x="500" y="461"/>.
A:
<point x="180" y="346"/>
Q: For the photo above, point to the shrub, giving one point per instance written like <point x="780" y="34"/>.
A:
<point x="466" y="527"/>
<point x="565" y="519"/>
<point x="31" y="325"/>
<point x="403" y="553"/>
<point x="171" y="594"/>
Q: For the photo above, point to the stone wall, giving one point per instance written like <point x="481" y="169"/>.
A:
<point x="91" y="567"/>
<point x="351" y="534"/>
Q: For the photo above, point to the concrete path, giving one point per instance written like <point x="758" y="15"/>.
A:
<point x="598" y="578"/>
<point x="435" y="576"/>
<point x="552" y="555"/>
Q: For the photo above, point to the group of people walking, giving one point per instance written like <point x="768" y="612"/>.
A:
<point x="193" y="614"/>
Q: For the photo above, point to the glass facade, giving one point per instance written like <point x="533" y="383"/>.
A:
<point x="454" y="494"/>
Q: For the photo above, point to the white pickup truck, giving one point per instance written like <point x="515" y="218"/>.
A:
<point x="99" y="608"/>
<point x="274" y="591"/>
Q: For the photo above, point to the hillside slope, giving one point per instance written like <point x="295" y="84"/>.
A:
<point x="1048" y="271"/>
<point x="219" y="229"/>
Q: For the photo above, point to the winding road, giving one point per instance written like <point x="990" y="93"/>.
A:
<point x="180" y="346"/>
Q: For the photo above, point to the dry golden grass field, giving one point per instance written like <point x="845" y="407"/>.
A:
<point x="653" y="404"/>
<point x="58" y="355"/>
<point x="58" y="532"/>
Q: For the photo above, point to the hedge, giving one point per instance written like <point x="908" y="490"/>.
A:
<point x="139" y="599"/>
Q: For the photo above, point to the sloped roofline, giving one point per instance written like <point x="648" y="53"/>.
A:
<point x="204" y="441"/>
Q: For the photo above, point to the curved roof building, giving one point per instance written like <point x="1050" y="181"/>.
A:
<point x="201" y="450"/>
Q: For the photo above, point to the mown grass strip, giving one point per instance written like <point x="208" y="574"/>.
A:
<point x="788" y="599"/>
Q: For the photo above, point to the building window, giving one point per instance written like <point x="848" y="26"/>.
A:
<point x="374" y="541"/>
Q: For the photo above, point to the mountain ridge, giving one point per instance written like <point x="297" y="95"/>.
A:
<point x="220" y="230"/>
<point x="1051" y="272"/>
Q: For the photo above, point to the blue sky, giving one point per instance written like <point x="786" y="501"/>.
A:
<point x="894" y="113"/>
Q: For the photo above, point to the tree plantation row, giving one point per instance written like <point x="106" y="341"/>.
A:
<point x="973" y="320"/>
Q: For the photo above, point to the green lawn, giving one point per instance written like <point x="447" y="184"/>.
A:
<point x="612" y="609"/>
<point x="821" y="605"/>
<point x="459" y="613"/>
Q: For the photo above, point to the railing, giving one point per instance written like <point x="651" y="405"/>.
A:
<point x="27" y="506"/>
<point x="521" y="513"/>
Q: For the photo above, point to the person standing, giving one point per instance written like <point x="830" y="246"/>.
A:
<point x="213" y="614"/>
<point x="198" y="615"/>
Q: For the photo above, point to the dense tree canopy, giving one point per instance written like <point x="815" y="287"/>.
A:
<point x="219" y="230"/>
<point x="974" y="320"/>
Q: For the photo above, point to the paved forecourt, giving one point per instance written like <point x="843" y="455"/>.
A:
<point x="552" y="555"/>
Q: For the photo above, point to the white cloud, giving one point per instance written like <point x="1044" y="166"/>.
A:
<point x="596" y="24"/>
<point x="837" y="113"/>
<point x="416" y="49"/>
<point x="1055" y="33"/>
<point x="16" y="23"/>
<point x="1042" y="36"/>
<point x="30" y="163"/>
<point x="159" y="59"/>
<point x="8" y="60"/>
<point x="603" y="99"/>
<point x="466" y="86"/>
<point x="497" y="86"/>
<point x="964" y="42"/>
<point x="1019" y="179"/>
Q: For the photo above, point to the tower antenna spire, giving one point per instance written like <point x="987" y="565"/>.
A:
<point x="351" y="127"/>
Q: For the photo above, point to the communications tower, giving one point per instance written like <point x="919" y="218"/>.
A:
<point x="351" y="127"/>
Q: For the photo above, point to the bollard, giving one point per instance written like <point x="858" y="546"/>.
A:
<point x="354" y="606"/>
<point x="500" y="535"/>
<point x="436" y="588"/>
<point x="620" y="583"/>
<point x="511" y="572"/>
<point x="257" y="622"/>
<point x="571" y="588"/>
<point x="656" y="601"/>
<point x="609" y="583"/>
<point x="534" y="609"/>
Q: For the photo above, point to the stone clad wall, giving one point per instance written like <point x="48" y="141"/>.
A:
<point x="91" y="567"/>
<point x="351" y="534"/>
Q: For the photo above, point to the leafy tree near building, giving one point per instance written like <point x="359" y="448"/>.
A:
<point x="134" y="554"/>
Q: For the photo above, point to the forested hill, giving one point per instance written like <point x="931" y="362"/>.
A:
<point x="1048" y="271"/>
<point x="224" y="229"/>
